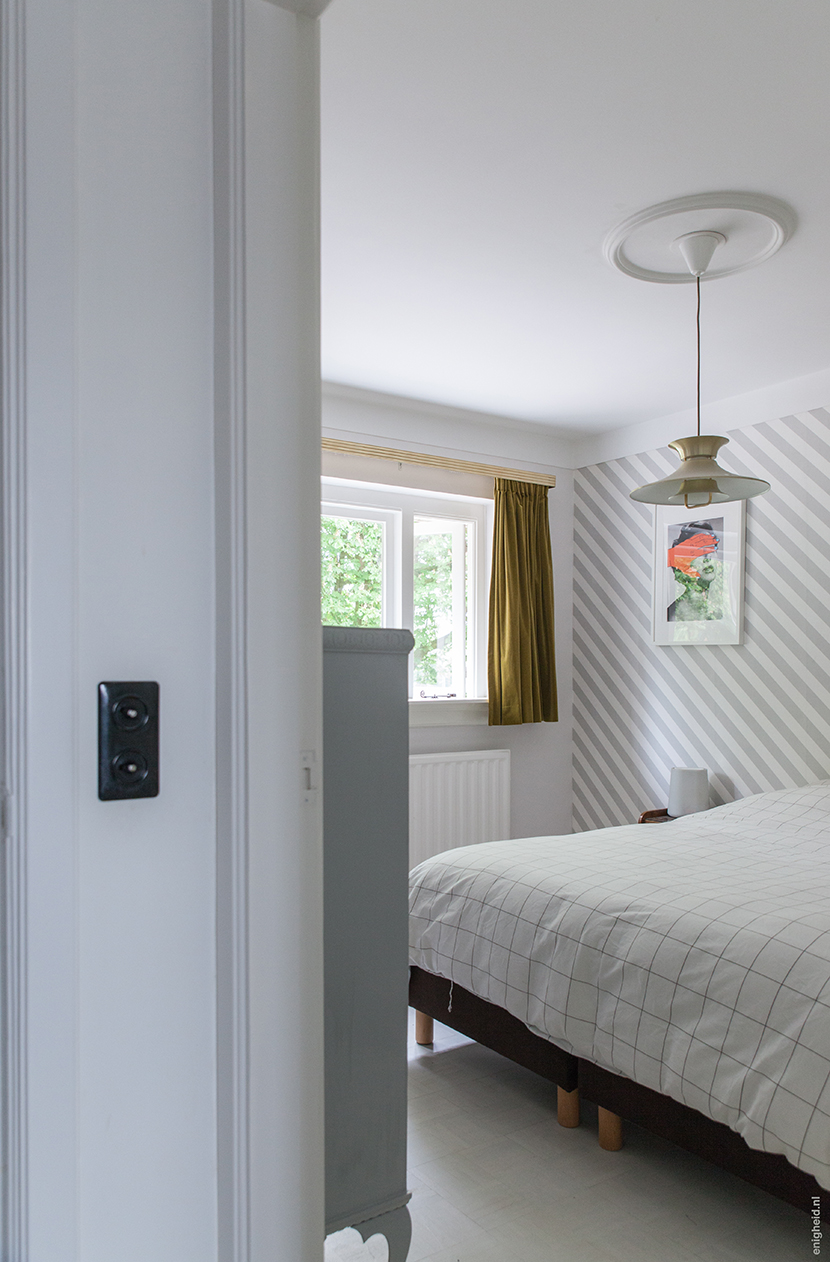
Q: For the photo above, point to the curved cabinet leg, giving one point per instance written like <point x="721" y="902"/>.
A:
<point x="423" y="1029"/>
<point x="396" y="1226"/>
<point x="385" y="1238"/>
<point x="610" y="1130"/>
<point x="567" y="1106"/>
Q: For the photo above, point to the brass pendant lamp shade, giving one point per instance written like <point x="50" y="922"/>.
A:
<point x="700" y="480"/>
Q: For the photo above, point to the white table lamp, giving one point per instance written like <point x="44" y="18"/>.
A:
<point x="688" y="791"/>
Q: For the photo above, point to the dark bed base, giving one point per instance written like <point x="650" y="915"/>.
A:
<point x="503" y="1033"/>
<point x="491" y="1026"/>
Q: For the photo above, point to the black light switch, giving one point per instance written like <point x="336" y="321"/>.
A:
<point x="128" y="740"/>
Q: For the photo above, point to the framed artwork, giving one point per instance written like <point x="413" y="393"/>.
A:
<point x="699" y="574"/>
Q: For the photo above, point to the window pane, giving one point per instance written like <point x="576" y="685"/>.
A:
<point x="352" y="572"/>
<point x="441" y="553"/>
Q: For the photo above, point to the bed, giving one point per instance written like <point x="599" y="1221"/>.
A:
<point x="678" y="975"/>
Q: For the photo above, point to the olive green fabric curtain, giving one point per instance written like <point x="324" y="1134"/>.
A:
<point x="521" y="668"/>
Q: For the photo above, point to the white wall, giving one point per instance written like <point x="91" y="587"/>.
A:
<point x="146" y="892"/>
<point x="349" y="412"/>
<point x="117" y="1031"/>
<point x="540" y="752"/>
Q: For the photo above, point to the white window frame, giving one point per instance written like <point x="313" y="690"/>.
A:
<point x="390" y="519"/>
<point x="378" y="501"/>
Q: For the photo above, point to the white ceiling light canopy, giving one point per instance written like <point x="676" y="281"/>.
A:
<point x="640" y="248"/>
<point x="697" y="249"/>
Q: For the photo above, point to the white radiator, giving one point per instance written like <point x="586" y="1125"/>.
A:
<point x="457" y="800"/>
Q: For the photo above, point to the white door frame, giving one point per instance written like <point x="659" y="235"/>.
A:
<point x="269" y="861"/>
<point x="39" y="983"/>
<point x="14" y="615"/>
<point x="257" y="457"/>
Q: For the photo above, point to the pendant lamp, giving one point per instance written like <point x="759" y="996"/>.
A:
<point x="700" y="480"/>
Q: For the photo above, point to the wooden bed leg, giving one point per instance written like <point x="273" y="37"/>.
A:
<point x="610" y="1130"/>
<point x="423" y="1029"/>
<point x="567" y="1106"/>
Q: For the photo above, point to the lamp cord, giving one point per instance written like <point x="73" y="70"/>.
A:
<point x="698" y="280"/>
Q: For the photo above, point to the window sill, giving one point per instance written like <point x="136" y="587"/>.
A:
<point x="454" y="712"/>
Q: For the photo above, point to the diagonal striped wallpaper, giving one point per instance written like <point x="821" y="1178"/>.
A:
<point x="756" y="714"/>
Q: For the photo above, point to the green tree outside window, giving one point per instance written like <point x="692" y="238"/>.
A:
<point x="352" y="572"/>
<point x="433" y="609"/>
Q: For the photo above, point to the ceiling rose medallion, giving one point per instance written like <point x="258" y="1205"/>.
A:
<point x="674" y="243"/>
<point x="753" y="228"/>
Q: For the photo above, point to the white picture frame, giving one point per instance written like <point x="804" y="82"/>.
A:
<point x="698" y="587"/>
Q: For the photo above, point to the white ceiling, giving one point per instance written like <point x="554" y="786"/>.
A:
<point x="475" y="154"/>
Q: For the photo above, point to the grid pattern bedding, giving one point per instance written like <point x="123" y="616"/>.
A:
<point x="692" y="957"/>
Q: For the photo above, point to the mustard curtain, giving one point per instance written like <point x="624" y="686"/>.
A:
<point x="521" y="668"/>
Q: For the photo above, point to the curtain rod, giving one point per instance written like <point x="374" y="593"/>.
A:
<point x="436" y="462"/>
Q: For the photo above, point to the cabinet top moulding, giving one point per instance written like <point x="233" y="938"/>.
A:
<point x="367" y="640"/>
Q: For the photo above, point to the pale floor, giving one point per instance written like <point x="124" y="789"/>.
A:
<point x="494" y="1178"/>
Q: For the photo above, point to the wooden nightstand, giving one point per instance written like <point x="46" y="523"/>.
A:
<point x="654" y="817"/>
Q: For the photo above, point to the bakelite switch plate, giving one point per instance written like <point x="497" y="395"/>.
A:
<point x="128" y="740"/>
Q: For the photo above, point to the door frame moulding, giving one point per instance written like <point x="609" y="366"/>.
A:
<point x="14" y="622"/>
<point x="231" y="657"/>
<point x="243" y="202"/>
<point x="24" y="578"/>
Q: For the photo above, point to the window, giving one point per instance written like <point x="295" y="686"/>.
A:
<point x="419" y="559"/>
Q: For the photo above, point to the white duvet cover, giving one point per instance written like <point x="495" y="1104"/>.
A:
<point x="692" y="957"/>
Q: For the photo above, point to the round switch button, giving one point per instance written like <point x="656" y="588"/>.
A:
<point x="130" y="767"/>
<point x="129" y="713"/>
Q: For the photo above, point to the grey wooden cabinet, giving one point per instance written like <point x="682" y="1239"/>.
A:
<point x="365" y="831"/>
